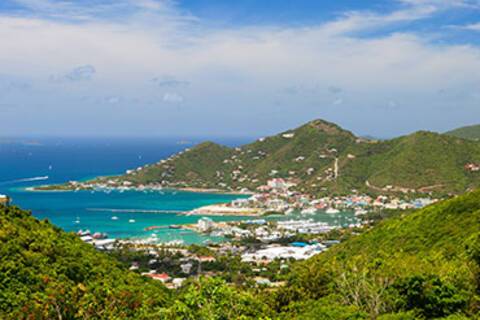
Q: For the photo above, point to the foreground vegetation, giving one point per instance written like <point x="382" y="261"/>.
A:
<point x="419" y="265"/>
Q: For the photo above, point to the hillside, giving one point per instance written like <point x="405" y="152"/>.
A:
<point x="46" y="273"/>
<point x="427" y="263"/>
<point x="322" y="158"/>
<point x="469" y="132"/>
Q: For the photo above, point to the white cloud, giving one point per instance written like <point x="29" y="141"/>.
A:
<point x="170" y="82"/>
<point x="113" y="100"/>
<point x="82" y="73"/>
<point x="472" y="27"/>
<point x="172" y="97"/>
<point x="238" y="68"/>
<point x="337" y="101"/>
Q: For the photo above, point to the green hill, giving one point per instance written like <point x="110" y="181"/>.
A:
<point x="322" y="158"/>
<point x="46" y="273"/>
<point x="427" y="263"/>
<point x="469" y="132"/>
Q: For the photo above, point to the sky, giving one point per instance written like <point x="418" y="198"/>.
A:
<point x="237" y="68"/>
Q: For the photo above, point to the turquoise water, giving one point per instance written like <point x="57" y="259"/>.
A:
<point x="75" y="159"/>
<point x="94" y="211"/>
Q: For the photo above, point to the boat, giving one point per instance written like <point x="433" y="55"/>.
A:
<point x="99" y="235"/>
<point x="309" y="211"/>
<point x="83" y="233"/>
<point x="360" y="212"/>
<point x="131" y="221"/>
<point x="332" y="211"/>
<point x="77" y="221"/>
<point x="175" y="243"/>
<point x="114" y="218"/>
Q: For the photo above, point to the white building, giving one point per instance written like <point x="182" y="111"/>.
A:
<point x="205" y="224"/>
<point x="278" y="252"/>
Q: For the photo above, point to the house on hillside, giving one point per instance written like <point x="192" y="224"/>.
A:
<point x="4" y="200"/>
<point x="163" y="277"/>
<point x="472" y="167"/>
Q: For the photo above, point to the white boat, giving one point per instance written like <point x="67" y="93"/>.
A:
<point x="77" y="221"/>
<point x="360" y="212"/>
<point x="175" y="243"/>
<point x="309" y="211"/>
<point x="131" y="220"/>
<point x="332" y="211"/>
<point x="290" y="211"/>
<point x="114" y="218"/>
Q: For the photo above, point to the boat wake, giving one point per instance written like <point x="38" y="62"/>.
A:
<point x="133" y="210"/>
<point x="25" y="180"/>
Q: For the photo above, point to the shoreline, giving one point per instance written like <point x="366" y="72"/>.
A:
<point x="223" y="210"/>
<point x="59" y="188"/>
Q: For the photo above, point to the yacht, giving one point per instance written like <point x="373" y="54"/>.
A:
<point x="332" y="211"/>
<point x="309" y="211"/>
<point x="360" y="212"/>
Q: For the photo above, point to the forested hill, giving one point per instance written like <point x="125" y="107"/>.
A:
<point x="322" y="158"/>
<point x="424" y="265"/>
<point x="469" y="132"/>
<point x="46" y="273"/>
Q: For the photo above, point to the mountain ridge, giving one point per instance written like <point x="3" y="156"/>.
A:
<point x="471" y="132"/>
<point x="321" y="158"/>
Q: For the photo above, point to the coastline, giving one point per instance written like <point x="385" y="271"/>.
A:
<point x="222" y="209"/>
<point x="65" y="188"/>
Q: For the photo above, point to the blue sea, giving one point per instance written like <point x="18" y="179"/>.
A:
<point x="25" y="162"/>
<point x="29" y="162"/>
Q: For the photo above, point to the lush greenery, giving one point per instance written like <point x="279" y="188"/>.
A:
<point x="425" y="263"/>
<point x="309" y="155"/>
<point x="46" y="273"/>
<point x="421" y="265"/>
<point x="469" y="132"/>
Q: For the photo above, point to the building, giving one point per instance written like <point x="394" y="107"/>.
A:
<point x="4" y="200"/>
<point x="163" y="277"/>
<point x="277" y="184"/>
<point x="205" y="224"/>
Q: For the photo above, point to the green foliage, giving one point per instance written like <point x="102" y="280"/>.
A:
<point x="432" y="296"/>
<point x="46" y="273"/>
<point x="210" y="298"/>
<point x="469" y="132"/>
<point x="426" y="262"/>
<point x="323" y="309"/>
